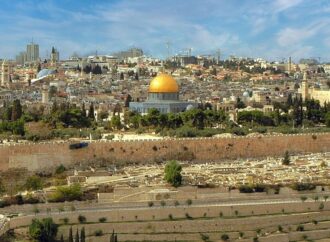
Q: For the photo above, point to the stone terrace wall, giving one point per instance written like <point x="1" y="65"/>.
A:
<point x="50" y="154"/>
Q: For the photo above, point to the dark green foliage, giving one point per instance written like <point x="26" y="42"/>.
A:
<point x="60" y="169"/>
<point x="77" y="236"/>
<point x="246" y="189"/>
<point x="225" y="237"/>
<point x="67" y="193"/>
<point x="98" y="232"/>
<point x="82" y="219"/>
<point x="113" y="237"/>
<point x="173" y="173"/>
<point x="16" y="113"/>
<point x="303" y="186"/>
<point x="82" y="235"/>
<point x="257" y="117"/>
<point x="33" y="183"/>
<point x="286" y="159"/>
<point x="300" y="227"/>
<point x="70" y="235"/>
<point x="43" y="230"/>
<point x="102" y="220"/>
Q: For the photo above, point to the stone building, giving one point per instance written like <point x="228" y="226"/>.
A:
<point x="163" y="95"/>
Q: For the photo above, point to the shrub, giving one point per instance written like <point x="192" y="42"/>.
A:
<point x="67" y="193"/>
<point x="300" y="227"/>
<point x="60" y="169"/>
<point x="176" y="203"/>
<point x="188" y="216"/>
<point x="246" y="189"/>
<point x="102" y="220"/>
<point x="303" y="186"/>
<point x="303" y="198"/>
<point x="280" y="228"/>
<point x="33" y="183"/>
<point x="286" y="159"/>
<point x="162" y="203"/>
<point x="205" y="237"/>
<point x="65" y="220"/>
<point x="150" y="203"/>
<point x="189" y="202"/>
<point x="170" y="216"/>
<point x="173" y="173"/>
<point x="225" y="237"/>
<point x="82" y="219"/>
<point x="98" y="232"/>
<point x="321" y="206"/>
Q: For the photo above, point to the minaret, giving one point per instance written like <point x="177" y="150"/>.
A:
<point x="5" y="76"/>
<point x="304" y="87"/>
<point x="45" y="94"/>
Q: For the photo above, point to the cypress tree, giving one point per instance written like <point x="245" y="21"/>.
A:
<point x="77" y="236"/>
<point x="70" y="235"/>
<point x="83" y="110"/>
<point x="16" y="111"/>
<point x="112" y="237"/>
<point x="91" y="111"/>
<point x="82" y="235"/>
<point x="62" y="239"/>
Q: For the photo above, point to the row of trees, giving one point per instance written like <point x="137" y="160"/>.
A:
<point x="45" y="230"/>
<point x="197" y="118"/>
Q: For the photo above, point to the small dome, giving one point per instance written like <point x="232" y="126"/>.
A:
<point x="45" y="72"/>
<point x="189" y="107"/>
<point x="246" y="94"/>
<point x="163" y="83"/>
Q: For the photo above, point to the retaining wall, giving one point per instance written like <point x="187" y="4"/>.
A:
<point x="41" y="156"/>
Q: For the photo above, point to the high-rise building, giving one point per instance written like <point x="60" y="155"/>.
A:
<point x="21" y="58"/>
<point x="32" y="52"/>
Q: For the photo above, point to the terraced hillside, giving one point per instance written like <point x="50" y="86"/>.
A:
<point x="249" y="221"/>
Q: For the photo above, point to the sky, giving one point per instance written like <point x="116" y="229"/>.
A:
<point x="270" y="29"/>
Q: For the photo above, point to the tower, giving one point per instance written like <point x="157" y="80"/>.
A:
<point x="5" y="73"/>
<point x="45" y="94"/>
<point x="304" y="87"/>
<point x="54" y="56"/>
<point x="32" y="52"/>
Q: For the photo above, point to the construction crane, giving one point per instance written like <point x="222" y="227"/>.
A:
<point x="218" y="56"/>
<point x="168" y="47"/>
<point x="188" y="51"/>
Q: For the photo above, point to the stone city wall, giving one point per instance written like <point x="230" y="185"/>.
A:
<point x="41" y="156"/>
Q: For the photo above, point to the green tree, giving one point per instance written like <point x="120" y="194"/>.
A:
<point x="16" y="110"/>
<point x="82" y="235"/>
<point x="173" y="173"/>
<point x="91" y="112"/>
<point x="33" y="183"/>
<point x="115" y="122"/>
<point x="286" y="159"/>
<point x="44" y="230"/>
<point x="70" y="235"/>
<point x="77" y="236"/>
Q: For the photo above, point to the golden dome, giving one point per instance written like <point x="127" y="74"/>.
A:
<point x="163" y="83"/>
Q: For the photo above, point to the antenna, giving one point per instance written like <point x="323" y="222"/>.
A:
<point x="168" y="46"/>
<point x="218" y="56"/>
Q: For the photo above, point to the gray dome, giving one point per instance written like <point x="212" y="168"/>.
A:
<point x="189" y="107"/>
<point x="246" y="94"/>
<point x="45" y="72"/>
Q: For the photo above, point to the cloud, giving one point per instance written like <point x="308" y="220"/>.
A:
<point x="242" y="27"/>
